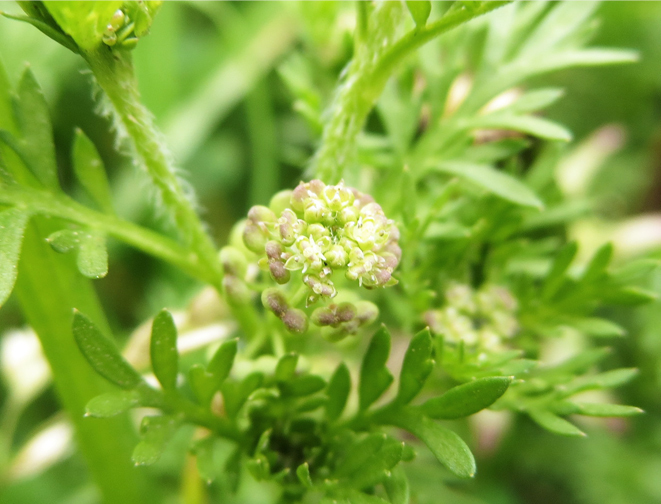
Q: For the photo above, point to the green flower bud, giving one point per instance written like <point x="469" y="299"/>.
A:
<point x="255" y="236"/>
<point x="260" y="213"/>
<point x="280" y="201"/>
<point x="233" y="262"/>
<point x="337" y="257"/>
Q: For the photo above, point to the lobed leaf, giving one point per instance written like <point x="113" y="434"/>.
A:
<point x="12" y="228"/>
<point x="374" y="376"/>
<point x="466" y="399"/>
<point x="102" y="354"/>
<point x="163" y="350"/>
<point x="417" y="366"/>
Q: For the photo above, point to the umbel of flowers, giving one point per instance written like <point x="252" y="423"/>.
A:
<point x="481" y="319"/>
<point x="321" y="229"/>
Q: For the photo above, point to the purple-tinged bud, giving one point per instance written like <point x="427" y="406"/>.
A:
<point x="233" y="262"/>
<point x="324" y="316"/>
<point x="362" y="199"/>
<point x="273" y="250"/>
<point x="280" y="201"/>
<point x="366" y="312"/>
<point x="288" y="227"/>
<point x="346" y="312"/>
<point x="278" y="271"/>
<point x="314" y="211"/>
<point x="348" y="214"/>
<point x="337" y="257"/>
<point x="295" y="320"/>
<point x="255" y="237"/>
<point x="260" y="213"/>
<point x="273" y="299"/>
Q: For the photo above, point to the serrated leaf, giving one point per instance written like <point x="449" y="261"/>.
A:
<point x="303" y="474"/>
<point x="554" y="423"/>
<point x="286" y="367"/>
<point x="417" y="366"/>
<point x="606" y="410"/>
<point x="221" y="363"/>
<point x="112" y="403"/>
<point x="598" y="327"/>
<point x="497" y="182"/>
<point x="536" y="100"/>
<point x="156" y="432"/>
<point x="102" y="354"/>
<point x="36" y="145"/>
<point x="397" y="486"/>
<point x="532" y="125"/>
<point x="420" y="11"/>
<point x="560" y="265"/>
<point x="90" y="171"/>
<point x="85" y="22"/>
<point x="64" y="240"/>
<point x="466" y="399"/>
<point x="338" y="392"/>
<point x="12" y="228"/>
<point x="92" y="260"/>
<point x="163" y="350"/>
<point x="374" y="375"/>
<point x="447" y="447"/>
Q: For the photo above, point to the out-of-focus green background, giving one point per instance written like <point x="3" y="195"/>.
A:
<point x="211" y="74"/>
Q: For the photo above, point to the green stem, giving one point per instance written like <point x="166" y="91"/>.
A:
<point x="60" y="205"/>
<point x="114" y="73"/>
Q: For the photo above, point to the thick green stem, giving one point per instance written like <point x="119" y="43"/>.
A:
<point x="114" y="73"/>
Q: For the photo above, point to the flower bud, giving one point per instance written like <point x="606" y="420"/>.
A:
<point x="278" y="271"/>
<point x="280" y="201"/>
<point x="260" y="213"/>
<point x="366" y="312"/>
<point x="273" y="299"/>
<point x="233" y="262"/>
<point x="295" y="320"/>
<point x="337" y="257"/>
<point x="255" y="237"/>
<point x="236" y="290"/>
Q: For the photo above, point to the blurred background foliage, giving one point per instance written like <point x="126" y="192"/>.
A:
<point x="213" y="74"/>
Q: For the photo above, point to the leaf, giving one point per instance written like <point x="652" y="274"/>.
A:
<point x="420" y="11"/>
<point x="532" y="125"/>
<point x="417" y="366"/>
<point x="577" y="57"/>
<point x="356" y="497"/>
<point x="236" y="394"/>
<point x="606" y="410"/>
<point x="64" y="240"/>
<point x="46" y="29"/>
<point x="85" y="22"/>
<point x="90" y="171"/>
<point x="303" y="474"/>
<point x="12" y="228"/>
<point x="374" y="376"/>
<point x="205" y="452"/>
<point x="221" y="363"/>
<point x="447" y="447"/>
<point x="397" y="486"/>
<point x="102" y="354"/>
<point x="536" y="100"/>
<point x="554" y="423"/>
<point x="163" y="350"/>
<point x="598" y="327"/>
<point x="497" y="182"/>
<point x="609" y="379"/>
<point x="338" y="392"/>
<point x="36" y="146"/>
<point x="156" y="432"/>
<point x="6" y="107"/>
<point x="201" y="383"/>
<point x="304" y="385"/>
<point x="358" y="453"/>
<point x="286" y="367"/>
<point x="466" y="399"/>
<point x="629" y="296"/>
<point x="92" y="260"/>
<point x="561" y="263"/>
<point x="598" y="264"/>
<point x="112" y="403"/>
<point x="377" y="467"/>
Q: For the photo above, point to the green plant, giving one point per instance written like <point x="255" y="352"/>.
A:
<point x="457" y="223"/>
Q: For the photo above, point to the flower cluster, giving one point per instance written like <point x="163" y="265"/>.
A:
<point x="480" y="318"/>
<point x="319" y="229"/>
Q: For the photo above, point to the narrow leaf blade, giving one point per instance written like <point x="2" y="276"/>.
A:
<point x="221" y="363"/>
<point x="467" y="399"/>
<point x="92" y="258"/>
<point x="416" y="367"/>
<point x="374" y="376"/>
<point x="112" y="403"/>
<point x="90" y="171"/>
<point x="555" y="424"/>
<point x="12" y="229"/>
<point x="338" y="392"/>
<point x="163" y="350"/>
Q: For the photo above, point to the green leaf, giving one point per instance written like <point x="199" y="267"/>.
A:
<point x="163" y="350"/>
<point x="221" y="363"/>
<point x="90" y="171"/>
<point x="629" y="296"/>
<point x="201" y="383"/>
<point x="6" y="106"/>
<point x="561" y="263"/>
<point x="12" y="229"/>
<point x="338" y="392"/>
<point x="374" y="376"/>
<point x="447" y="447"/>
<point x="397" y="486"/>
<point x="208" y="465"/>
<point x="286" y="367"/>
<point x="497" y="182"/>
<point x="417" y="366"/>
<point x="598" y="327"/>
<point x="532" y="125"/>
<point x="420" y="11"/>
<point x="577" y="57"/>
<point x="36" y="146"/>
<point x="554" y="423"/>
<point x="358" y="453"/>
<point x="606" y="410"/>
<point x="156" y="432"/>
<point x="303" y="385"/>
<point x="112" y="403"/>
<point x="85" y="22"/>
<point x="46" y="29"/>
<point x="376" y="468"/>
<point x="64" y="240"/>
<point x="303" y="474"/>
<point x="536" y="100"/>
<point x="92" y="260"/>
<point x="467" y="399"/>
<point x="356" y="497"/>
<point x="609" y="379"/>
<point x="598" y="264"/>
<point x="235" y="394"/>
<point x="102" y="354"/>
